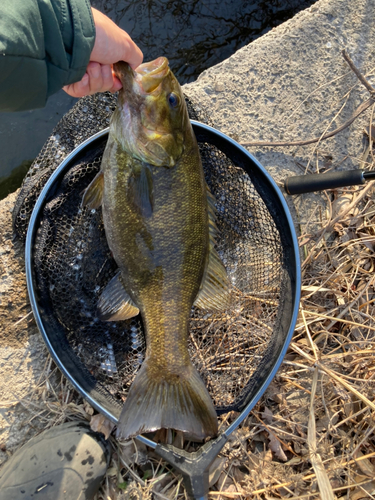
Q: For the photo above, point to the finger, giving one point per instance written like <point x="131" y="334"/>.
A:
<point x="103" y="82"/>
<point x="132" y="54"/>
<point x="108" y="79"/>
<point x="94" y="70"/>
<point x="112" y="44"/>
<point x="91" y="84"/>
<point x="78" y="89"/>
<point x="117" y="85"/>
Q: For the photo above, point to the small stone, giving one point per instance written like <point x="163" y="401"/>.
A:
<point x="219" y="86"/>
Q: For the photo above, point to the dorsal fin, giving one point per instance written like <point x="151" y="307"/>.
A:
<point x="214" y="290"/>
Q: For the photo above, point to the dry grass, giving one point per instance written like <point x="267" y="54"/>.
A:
<point x="312" y="434"/>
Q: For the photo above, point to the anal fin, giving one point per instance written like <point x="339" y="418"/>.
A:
<point x="114" y="303"/>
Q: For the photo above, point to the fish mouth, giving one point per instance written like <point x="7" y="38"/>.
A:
<point x="148" y="75"/>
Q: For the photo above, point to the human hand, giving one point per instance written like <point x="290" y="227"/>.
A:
<point x="112" y="44"/>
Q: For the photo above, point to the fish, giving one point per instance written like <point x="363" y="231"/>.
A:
<point x="159" y="221"/>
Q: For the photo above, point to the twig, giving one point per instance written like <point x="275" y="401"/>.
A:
<point x="270" y="432"/>
<point x="348" y="308"/>
<point x="359" y="75"/>
<point x="332" y="222"/>
<point x="325" y="487"/>
<point x="340" y="320"/>
<point x="139" y="480"/>
<point x="323" y="134"/>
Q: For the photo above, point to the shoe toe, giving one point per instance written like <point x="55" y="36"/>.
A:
<point x="65" y="462"/>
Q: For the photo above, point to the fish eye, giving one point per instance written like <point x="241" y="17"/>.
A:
<point x="173" y="100"/>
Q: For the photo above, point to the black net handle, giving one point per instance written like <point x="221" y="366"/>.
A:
<point x="300" y="184"/>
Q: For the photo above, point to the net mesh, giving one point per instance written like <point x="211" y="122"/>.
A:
<point x="72" y="265"/>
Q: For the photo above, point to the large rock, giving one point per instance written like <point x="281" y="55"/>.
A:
<point x="290" y="85"/>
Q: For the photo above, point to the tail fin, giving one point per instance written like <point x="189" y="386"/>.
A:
<point x="173" y="402"/>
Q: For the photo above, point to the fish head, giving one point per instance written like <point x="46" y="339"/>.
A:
<point x="151" y="117"/>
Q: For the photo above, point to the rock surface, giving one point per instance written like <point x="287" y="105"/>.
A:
<point x="288" y="85"/>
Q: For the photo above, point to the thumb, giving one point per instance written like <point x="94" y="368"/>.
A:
<point x="112" y="44"/>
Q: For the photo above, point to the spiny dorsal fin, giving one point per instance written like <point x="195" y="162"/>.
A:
<point x="93" y="195"/>
<point x="114" y="303"/>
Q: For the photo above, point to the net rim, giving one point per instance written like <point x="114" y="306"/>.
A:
<point x="223" y="142"/>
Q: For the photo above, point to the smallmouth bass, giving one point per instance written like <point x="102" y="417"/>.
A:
<point x="159" y="222"/>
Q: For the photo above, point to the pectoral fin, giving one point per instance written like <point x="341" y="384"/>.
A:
<point x="93" y="195"/>
<point x="114" y="303"/>
<point x="141" y="191"/>
<point x="214" y="290"/>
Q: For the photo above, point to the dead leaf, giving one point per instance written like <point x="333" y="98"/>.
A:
<point x="265" y="456"/>
<point x="128" y="452"/>
<point x="215" y="470"/>
<point x="238" y="475"/>
<point x="323" y="423"/>
<point x="267" y="415"/>
<point x="276" y="447"/>
<point x="341" y="204"/>
<point x="88" y="409"/>
<point x="253" y="461"/>
<point x="274" y="393"/>
<point x="294" y="461"/>
<point x="178" y="441"/>
<point x="99" y="423"/>
<point x="297" y="447"/>
<point x="335" y="483"/>
<point x="365" y="465"/>
<point x="363" y="491"/>
<point x="224" y="482"/>
<point x="346" y="399"/>
<point x="230" y="488"/>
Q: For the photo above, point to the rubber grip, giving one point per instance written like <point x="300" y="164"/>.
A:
<point x="318" y="182"/>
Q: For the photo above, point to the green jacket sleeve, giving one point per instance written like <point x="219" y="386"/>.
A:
<point x="44" y="45"/>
